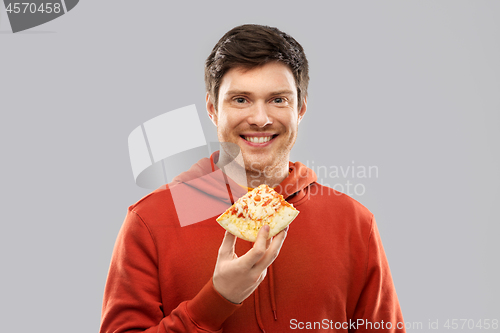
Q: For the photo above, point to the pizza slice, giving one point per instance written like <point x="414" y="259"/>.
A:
<point x="261" y="206"/>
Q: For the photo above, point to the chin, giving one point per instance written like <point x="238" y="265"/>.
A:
<point x="256" y="163"/>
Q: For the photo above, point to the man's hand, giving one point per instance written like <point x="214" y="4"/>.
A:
<point x="236" y="278"/>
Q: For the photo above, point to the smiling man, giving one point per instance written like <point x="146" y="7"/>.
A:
<point x="258" y="111"/>
<point x="331" y="273"/>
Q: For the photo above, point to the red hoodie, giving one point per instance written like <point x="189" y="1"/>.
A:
<point x="331" y="274"/>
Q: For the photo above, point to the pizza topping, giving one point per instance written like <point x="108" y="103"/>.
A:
<point x="267" y="202"/>
<point x="257" y="206"/>
<point x="261" y="206"/>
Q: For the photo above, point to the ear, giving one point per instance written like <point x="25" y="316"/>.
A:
<point x="303" y="109"/>
<point x="211" y="109"/>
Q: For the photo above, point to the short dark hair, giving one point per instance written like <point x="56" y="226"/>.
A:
<point x="250" y="46"/>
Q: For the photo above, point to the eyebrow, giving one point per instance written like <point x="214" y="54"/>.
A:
<point x="242" y="92"/>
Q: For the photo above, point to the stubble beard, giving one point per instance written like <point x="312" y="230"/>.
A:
<point x="271" y="171"/>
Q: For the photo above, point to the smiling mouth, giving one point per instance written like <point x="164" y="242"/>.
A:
<point x="261" y="139"/>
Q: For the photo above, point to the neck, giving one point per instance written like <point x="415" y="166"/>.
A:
<point x="249" y="176"/>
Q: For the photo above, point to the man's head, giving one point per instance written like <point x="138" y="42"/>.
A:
<point x="249" y="46"/>
<point x="257" y="80"/>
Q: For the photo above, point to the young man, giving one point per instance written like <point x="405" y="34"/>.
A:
<point x="330" y="274"/>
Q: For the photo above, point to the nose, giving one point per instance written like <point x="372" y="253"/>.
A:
<point x="259" y="115"/>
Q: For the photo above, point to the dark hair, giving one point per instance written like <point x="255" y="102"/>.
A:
<point x="250" y="46"/>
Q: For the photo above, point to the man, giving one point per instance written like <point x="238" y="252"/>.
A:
<point x="330" y="274"/>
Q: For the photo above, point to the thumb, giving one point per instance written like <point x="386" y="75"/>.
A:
<point x="226" y="249"/>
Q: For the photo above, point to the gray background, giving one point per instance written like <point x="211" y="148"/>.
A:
<point x="410" y="87"/>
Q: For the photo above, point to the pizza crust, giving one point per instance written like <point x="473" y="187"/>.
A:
<point x="258" y="207"/>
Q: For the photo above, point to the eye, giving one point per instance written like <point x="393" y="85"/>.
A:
<point x="279" y="100"/>
<point x="240" y="100"/>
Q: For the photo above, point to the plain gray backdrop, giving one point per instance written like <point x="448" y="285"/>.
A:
<point x="409" y="87"/>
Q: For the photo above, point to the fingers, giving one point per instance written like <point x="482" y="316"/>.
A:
<point x="226" y="249"/>
<point x="258" y="249"/>
<point x="263" y="253"/>
<point x="268" y="242"/>
<point x="262" y="241"/>
<point x="272" y="252"/>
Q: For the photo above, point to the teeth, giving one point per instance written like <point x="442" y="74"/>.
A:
<point x="255" y="139"/>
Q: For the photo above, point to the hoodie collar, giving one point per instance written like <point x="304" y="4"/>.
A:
<point x="206" y="177"/>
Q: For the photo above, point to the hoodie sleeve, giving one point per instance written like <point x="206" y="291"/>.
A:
<point x="132" y="300"/>
<point x="378" y="306"/>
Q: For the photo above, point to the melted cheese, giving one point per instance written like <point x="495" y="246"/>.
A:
<point x="248" y="207"/>
<point x="255" y="209"/>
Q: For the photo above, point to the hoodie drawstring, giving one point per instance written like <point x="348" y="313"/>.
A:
<point x="271" y="291"/>
<point x="212" y="164"/>
<point x="257" y="310"/>
<point x="271" y="296"/>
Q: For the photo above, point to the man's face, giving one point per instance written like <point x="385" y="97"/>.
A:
<point x="257" y="110"/>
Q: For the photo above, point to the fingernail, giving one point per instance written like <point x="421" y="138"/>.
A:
<point x="266" y="228"/>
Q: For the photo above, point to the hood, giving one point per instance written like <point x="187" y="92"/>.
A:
<point x="206" y="177"/>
